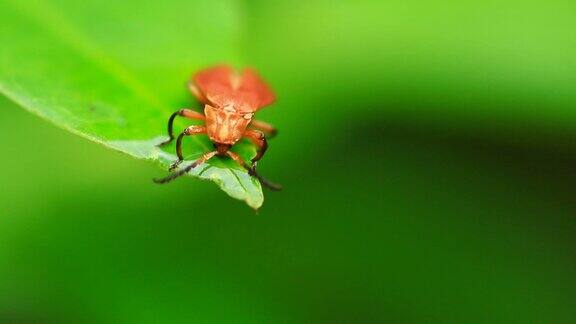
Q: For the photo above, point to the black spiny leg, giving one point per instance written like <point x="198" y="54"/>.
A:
<point x="187" y="113"/>
<point x="192" y="130"/>
<point x="259" y="139"/>
<point x="262" y="147"/>
<point x="170" y="131"/>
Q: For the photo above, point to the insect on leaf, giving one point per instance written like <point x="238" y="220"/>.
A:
<point x="113" y="73"/>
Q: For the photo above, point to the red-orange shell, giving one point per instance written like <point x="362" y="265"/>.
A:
<point x="221" y="87"/>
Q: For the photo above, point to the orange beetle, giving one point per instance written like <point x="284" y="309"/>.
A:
<point x="230" y="100"/>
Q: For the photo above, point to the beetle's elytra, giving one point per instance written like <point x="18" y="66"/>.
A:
<point x="230" y="100"/>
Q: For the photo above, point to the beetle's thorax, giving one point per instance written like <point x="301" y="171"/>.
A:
<point x="225" y="124"/>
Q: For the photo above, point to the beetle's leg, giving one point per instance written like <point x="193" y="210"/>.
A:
<point x="270" y="130"/>
<point x="187" y="113"/>
<point x="258" y="138"/>
<point x="191" y="130"/>
<point x="172" y="176"/>
<point x="252" y="172"/>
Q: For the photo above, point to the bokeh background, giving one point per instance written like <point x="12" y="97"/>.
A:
<point x="427" y="150"/>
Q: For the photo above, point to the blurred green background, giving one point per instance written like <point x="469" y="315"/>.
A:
<point x="427" y="150"/>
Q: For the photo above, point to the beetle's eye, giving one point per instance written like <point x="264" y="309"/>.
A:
<point x="248" y="116"/>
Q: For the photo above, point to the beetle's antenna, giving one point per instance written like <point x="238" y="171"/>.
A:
<point x="266" y="183"/>
<point x="175" y="175"/>
<point x="263" y="181"/>
<point x="187" y="169"/>
<point x="252" y="172"/>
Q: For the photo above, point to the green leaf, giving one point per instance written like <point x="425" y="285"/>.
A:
<point x="113" y="73"/>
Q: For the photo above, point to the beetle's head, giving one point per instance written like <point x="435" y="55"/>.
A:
<point x="226" y="125"/>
